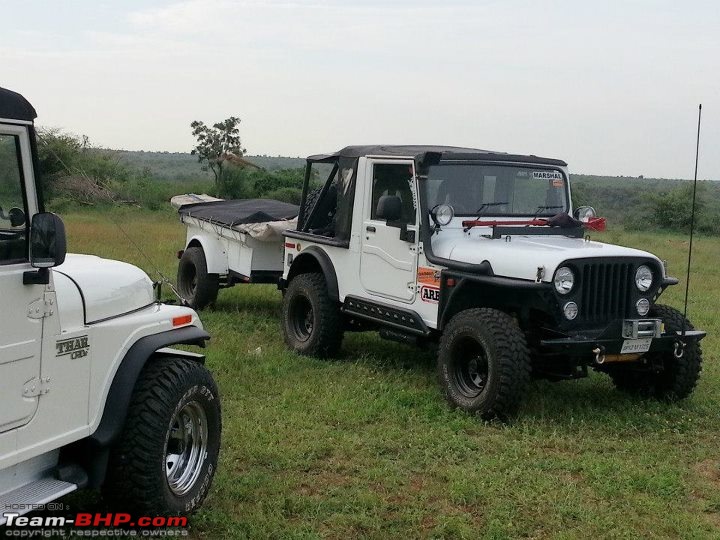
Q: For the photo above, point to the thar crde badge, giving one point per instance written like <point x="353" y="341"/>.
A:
<point x="77" y="347"/>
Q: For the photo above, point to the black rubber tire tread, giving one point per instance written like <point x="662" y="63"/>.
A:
<point x="136" y="477"/>
<point x="207" y="285"/>
<point x="508" y="358"/>
<point x="680" y="375"/>
<point x="328" y="328"/>
<point x="310" y="201"/>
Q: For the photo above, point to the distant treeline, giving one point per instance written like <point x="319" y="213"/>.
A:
<point x="179" y="166"/>
<point x="650" y="203"/>
<point x="75" y="171"/>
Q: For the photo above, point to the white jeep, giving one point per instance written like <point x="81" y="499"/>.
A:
<point x="472" y="251"/>
<point x="90" y="395"/>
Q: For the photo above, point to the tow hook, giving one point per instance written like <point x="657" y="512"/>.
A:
<point x="599" y="355"/>
<point x="679" y="349"/>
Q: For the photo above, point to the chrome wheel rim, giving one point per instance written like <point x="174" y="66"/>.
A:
<point x="186" y="448"/>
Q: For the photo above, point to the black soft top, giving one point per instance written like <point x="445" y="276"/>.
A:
<point x="240" y="211"/>
<point x="15" y="107"/>
<point x="445" y="153"/>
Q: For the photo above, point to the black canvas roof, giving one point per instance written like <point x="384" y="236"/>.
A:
<point x="15" y="107"/>
<point x="447" y="153"/>
<point x="240" y="211"/>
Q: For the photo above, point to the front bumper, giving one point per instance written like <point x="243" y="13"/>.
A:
<point x="610" y="341"/>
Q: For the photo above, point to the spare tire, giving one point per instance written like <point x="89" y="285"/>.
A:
<point x="326" y="212"/>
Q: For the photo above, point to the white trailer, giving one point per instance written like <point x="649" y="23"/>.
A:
<point x="230" y="242"/>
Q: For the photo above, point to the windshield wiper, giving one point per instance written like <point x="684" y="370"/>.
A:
<point x="480" y="210"/>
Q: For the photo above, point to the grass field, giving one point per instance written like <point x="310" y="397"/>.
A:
<point x="364" y="446"/>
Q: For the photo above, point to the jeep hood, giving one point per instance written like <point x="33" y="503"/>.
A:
<point x="108" y="288"/>
<point x="521" y="256"/>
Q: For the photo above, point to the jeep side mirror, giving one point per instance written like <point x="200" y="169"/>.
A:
<point x="584" y="213"/>
<point x="48" y="244"/>
<point x="389" y="208"/>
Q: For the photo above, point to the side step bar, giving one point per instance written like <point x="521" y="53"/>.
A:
<point x="22" y="499"/>
<point x="398" y="318"/>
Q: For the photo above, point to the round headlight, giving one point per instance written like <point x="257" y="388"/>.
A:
<point x="570" y="310"/>
<point x="643" y="278"/>
<point x="564" y="280"/>
<point x="444" y="214"/>
<point x="643" y="306"/>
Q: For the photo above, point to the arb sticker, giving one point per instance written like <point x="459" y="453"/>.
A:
<point x="429" y="294"/>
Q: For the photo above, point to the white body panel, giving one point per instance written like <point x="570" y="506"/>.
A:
<point x="227" y="249"/>
<point x="109" y="288"/>
<point x="388" y="266"/>
<point x="20" y="349"/>
<point x="521" y="255"/>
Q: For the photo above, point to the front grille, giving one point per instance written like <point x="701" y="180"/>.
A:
<point x="605" y="290"/>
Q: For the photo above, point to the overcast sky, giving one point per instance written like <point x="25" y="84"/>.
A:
<point x="612" y="87"/>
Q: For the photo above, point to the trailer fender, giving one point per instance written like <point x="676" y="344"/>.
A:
<point x="314" y="259"/>
<point x="215" y="251"/>
<point x="121" y="389"/>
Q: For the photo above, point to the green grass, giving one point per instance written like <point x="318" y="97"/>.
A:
<point x="364" y="446"/>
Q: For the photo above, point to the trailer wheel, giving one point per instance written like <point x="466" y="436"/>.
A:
<point x="311" y="320"/>
<point x="484" y="363"/>
<point x="677" y="377"/>
<point x="167" y="454"/>
<point x="195" y="285"/>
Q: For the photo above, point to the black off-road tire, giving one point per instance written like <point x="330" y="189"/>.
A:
<point x="195" y="285"/>
<point x="311" y="320"/>
<point x="484" y="363"/>
<point x="677" y="378"/>
<point x="142" y="471"/>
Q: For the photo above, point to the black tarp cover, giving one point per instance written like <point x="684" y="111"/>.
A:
<point x="15" y="107"/>
<point x="241" y="211"/>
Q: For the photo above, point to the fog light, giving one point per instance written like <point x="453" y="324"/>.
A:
<point x="643" y="306"/>
<point x="570" y="310"/>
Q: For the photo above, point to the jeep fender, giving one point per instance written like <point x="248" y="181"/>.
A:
<point x="313" y="259"/>
<point x="215" y="253"/>
<point x="121" y="389"/>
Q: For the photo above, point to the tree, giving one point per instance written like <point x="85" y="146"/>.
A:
<point x="215" y="144"/>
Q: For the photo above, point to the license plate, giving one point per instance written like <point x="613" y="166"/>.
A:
<point x="636" y="346"/>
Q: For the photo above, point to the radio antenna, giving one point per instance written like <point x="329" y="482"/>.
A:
<point x="692" y="220"/>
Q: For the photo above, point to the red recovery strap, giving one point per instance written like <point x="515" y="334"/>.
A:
<point x="593" y="224"/>
<point x="478" y="223"/>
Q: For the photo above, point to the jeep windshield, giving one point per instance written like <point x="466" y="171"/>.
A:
<point x="475" y="189"/>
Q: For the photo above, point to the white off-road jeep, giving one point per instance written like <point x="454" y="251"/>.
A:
<point x="477" y="251"/>
<point x="90" y="395"/>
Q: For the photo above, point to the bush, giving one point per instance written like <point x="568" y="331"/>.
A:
<point x="285" y="194"/>
<point x="672" y="210"/>
<point x="63" y="155"/>
<point x="247" y="183"/>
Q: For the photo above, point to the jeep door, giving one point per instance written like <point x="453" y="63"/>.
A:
<point x="388" y="262"/>
<point x="21" y="306"/>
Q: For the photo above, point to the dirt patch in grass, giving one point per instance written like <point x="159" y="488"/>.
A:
<point x="709" y="469"/>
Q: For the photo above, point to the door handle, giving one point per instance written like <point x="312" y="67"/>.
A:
<point x="370" y="228"/>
